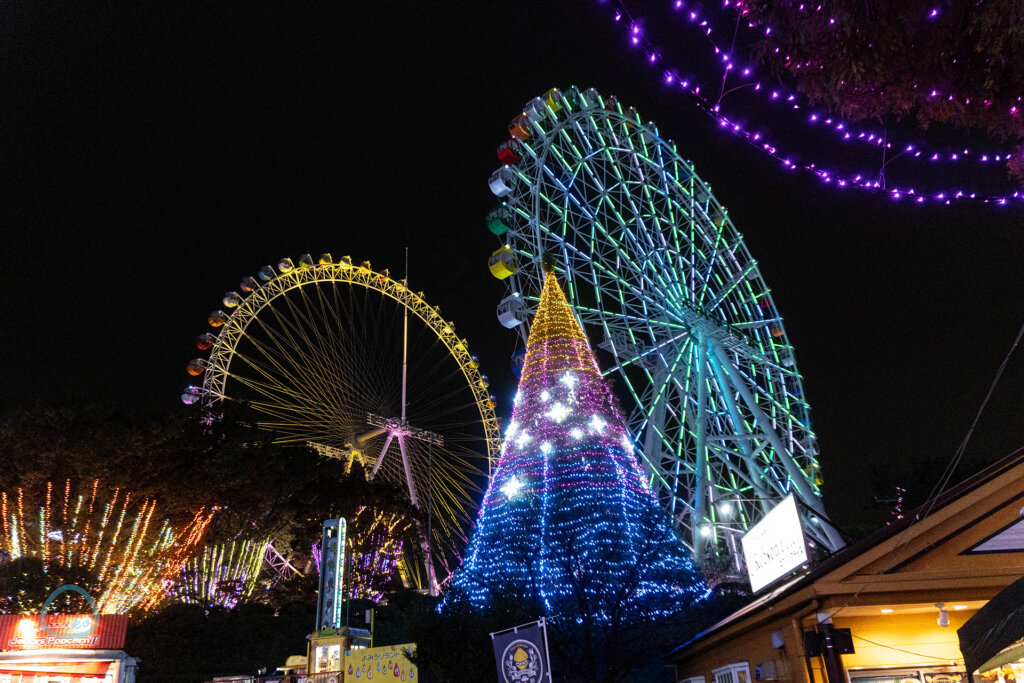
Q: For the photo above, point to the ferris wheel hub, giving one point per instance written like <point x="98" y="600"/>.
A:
<point x="398" y="426"/>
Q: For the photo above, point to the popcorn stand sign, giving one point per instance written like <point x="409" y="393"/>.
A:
<point x="65" y="647"/>
<point x="69" y="631"/>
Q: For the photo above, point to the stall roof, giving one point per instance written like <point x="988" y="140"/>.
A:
<point x="994" y="630"/>
<point x="873" y="540"/>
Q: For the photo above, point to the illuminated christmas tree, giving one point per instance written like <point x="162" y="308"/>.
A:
<point x="569" y="523"/>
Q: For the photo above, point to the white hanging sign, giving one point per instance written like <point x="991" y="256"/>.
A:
<point x="775" y="545"/>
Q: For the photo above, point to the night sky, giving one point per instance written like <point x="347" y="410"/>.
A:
<point x="153" y="154"/>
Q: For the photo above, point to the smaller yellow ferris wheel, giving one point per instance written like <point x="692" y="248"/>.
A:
<point x="346" y="359"/>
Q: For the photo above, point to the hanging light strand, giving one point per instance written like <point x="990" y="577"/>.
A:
<point x="866" y="180"/>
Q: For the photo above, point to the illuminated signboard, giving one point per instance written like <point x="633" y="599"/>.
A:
<point x="391" y="662"/>
<point x="71" y="631"/>
<point x="775" y="545"/>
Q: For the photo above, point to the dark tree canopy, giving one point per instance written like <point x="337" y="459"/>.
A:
<point x="185" y="643"/>
<point x="26" y="583"/>
<point x="187" y="462"/>
<point x="954" y="62"/>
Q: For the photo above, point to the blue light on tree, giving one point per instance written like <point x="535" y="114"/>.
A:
<point x="569" y="523"/>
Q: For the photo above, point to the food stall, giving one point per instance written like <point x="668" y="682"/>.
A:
<point x="327" y="649"/>
<point x="992" y="640"/>
<point x="64" y="648"/>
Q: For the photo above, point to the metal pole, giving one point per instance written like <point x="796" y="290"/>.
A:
<point x="405" y="335"/>
<point x="547" y="651"/>
<point x="348" y="576"/>
<point x="796" y="476"/>
<point x="430" y="516"/>
<point x="701" y="470"/>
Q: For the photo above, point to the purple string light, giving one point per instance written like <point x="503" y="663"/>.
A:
<point x="804" y="8"/>
<point x="845" y="130"/>
<point x="862" y="180"/>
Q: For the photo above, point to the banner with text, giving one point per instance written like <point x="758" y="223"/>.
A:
<point x="77" y="631"/>
<point x="391" y="662"/>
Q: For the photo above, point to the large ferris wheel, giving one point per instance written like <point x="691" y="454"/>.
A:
<point x="665" y="286"/>
<point x="354" y="363"/>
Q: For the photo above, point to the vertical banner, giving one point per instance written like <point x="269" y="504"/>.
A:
<point x="522" y="654"/>
<point x="332" y="575"/>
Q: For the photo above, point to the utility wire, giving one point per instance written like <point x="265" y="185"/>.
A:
<point x="898" y="649"/>
<point x="948" y="473"/>
<point x="943" y="482"/>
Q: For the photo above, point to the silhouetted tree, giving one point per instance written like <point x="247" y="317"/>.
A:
<point x="26" y="583"/>
<point x="186" y="644"/>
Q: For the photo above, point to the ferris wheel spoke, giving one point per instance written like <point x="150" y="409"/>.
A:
<point x="649" y="281"/>
<point x="449" y="504"/>
<point x="661" y="224"/>
<point x="732" y="479"/>
<point x="332" y="319"/>
<point x="274" y="392"/>
<point x="292" y="334"/>
<point x="269" y="397"/>
<point x="459" y="483"/>
<point x="796" y="477"/>
<point x="657" y="404"/>
<point x="654" y="421"/>
<point x="275" y="356"/>
<point x="438" y="405"/>
<point x="728" y="287"/>
<point x="741" y="433"/>
<point x="568" y="243"/>
<point x="565" y="184"/>
<point x="711" y="266"/>
<point x="783" y="411"/>
<point x="280" y="355"/>
<point x="272" y="388"/>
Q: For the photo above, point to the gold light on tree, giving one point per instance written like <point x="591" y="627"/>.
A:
<point x="117" y="538"/>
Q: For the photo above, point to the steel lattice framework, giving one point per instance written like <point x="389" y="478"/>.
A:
<point x="304" y="345"/>
<point x="657" y="272"/>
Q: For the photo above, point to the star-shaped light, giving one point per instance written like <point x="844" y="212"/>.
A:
<point x="576" y="433"/>
<point x="545" y="447"/>
<point x="569" y="379"/>
<point x="598" y="424"/>
<point x="522" y="439"/>
<point x="512" y="488"/>
<point x="545" y="395"/>
<point x="558" y="412"/>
